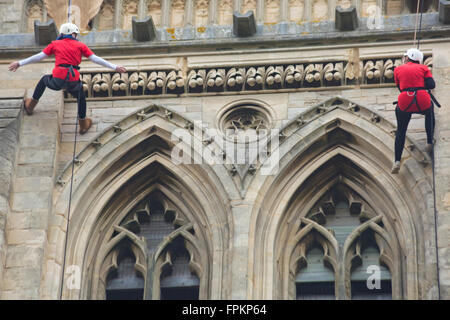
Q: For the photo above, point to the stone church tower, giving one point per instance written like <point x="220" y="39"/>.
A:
<point x="245" y="154"/>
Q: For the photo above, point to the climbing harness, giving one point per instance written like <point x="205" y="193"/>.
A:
<point x="412" y="92"/>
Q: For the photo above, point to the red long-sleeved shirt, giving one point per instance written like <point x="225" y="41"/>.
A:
<point x="67" y="51"/>
<point x="412" y="75"/>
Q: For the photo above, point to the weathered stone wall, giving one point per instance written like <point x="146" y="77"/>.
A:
<point x="31" y="199"/>
<point x="10" y="125"/>
<point x="31" y="234"/>
<point x="286" y="106"/>
<point x="11" y="13"/>
<point x="442" y="166"/>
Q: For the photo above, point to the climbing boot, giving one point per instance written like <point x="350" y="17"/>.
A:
<point x="429" y="148"/>
<point x="395" y="167"/>
<point x="29" y="105"/>
<point x="85" y="124"/>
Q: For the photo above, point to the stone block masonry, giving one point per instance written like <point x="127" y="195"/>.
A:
<point x="441" y="71"/>
<point x="34" y="151"/>
<point x="31" y="199"/>
<point x="10" y="123"/>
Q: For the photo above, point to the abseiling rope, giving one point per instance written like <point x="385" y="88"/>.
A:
<point x="417" y="36"/>
<point x="63" y="267"/>
<point x="69" y="11"/>
<point x="420" y="24"/>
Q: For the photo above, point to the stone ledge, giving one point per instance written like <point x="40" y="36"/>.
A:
<point x="12" y="93"/>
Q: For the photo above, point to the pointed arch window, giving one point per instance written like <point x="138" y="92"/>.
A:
<point x="341" y="250"/>
<point x="178" y="281"/>
<point x="370" y="278"/>
<point x="154" y="253"/>
<point x="315" y="280"/>
<point x="125" y="282"/>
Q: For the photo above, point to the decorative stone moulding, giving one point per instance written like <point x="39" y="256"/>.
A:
<point x="245" y="120"/>
<point x="253" y="78"/>
<point x="241" y="172"/>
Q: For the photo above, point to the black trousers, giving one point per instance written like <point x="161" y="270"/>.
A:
<point x="403" y="119"/>
<point x="73" y="87"/>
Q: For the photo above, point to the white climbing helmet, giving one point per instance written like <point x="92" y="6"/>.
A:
<point x="415" y="55"/>
<point x="69" y="28"/>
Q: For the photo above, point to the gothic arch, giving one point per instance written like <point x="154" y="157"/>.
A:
<point x="127" y="153"/>
<point x="338" y="141"/>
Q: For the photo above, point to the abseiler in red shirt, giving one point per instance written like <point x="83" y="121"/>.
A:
<point x="412" y="75"/>
<point x="67" y="51"/>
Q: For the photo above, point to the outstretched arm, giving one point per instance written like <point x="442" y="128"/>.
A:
<point x="36" y="58"/>
<point x="106" y="64"/>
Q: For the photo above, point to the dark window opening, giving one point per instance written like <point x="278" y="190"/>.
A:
<point x="125" y="283"/>
<point x="130" y="294"/>
<point x="315" y="291"/>
<point x="182" y="293"/>
<point x="360" y="291"/>
<point x="178" y="282"/>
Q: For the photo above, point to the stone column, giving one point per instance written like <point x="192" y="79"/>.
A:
<point x="284" y="11"/>
<point x="308" y="10"/>
<point x="213" y="12"/>
<point x="189" y="8"/>
<point x="259" y="14"/>
<point x="237" y="5"/>
<point x="142" y="9"/>
<point x="331" y="9"/>
<point x="239" y="267"/>
<point x="165" y="13"/>
<point x="117" y="14"/>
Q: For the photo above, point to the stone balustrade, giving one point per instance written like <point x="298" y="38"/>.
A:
<point x="250" y="78"/>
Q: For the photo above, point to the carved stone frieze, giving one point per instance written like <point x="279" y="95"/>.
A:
<point x="253" y="78"/>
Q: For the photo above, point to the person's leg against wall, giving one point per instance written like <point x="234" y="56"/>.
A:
<point x="429" y="128"/>
<point x="46" y="81"/>
<point x="31" y="103"/>
<point x="403" y="119"/>
<point x="85" y="123"/>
